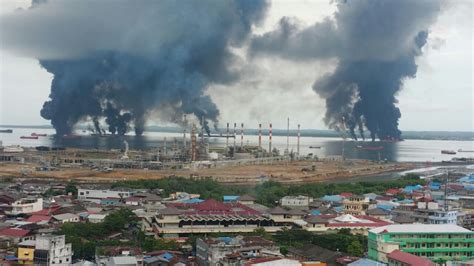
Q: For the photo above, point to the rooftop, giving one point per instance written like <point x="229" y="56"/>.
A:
<point x="409" y="259"/>
<point x="420" y="228"/>
<point x="14" y="232"/>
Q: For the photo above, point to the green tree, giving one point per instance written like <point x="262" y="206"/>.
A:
<point x="262" y="233"/>
<point x="355" y="249"/>
<point x="71" y="188"/>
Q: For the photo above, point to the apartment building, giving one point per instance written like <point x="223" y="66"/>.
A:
<point x="52" y="250"/>
<point x="97" y="195"/>
<point x="432" y="241"/>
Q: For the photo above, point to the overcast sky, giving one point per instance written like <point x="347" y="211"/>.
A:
<point x="441" y="97"/>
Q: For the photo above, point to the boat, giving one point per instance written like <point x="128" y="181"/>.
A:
<point x="6" y="130"/>
<point x="369" y="148"/>
<point x="461" y="150"/>
<point x="12" y="149"/>
<point x="29" y="137"/>
<point x="38" y="135"/>
<point x="448" y="152"/>
<point x="315" y="147"/>
<point x="66" y="136"/>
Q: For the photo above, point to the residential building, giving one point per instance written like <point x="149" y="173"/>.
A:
<point x="246" y="199"/>
<point x="52" y="250"/>
<point x="314" y="253"/>
<point x="66" y="218"/>
<point x="426" y="240"/>
<point x="429" y="212"/>
<point x="13" y="236"/>
<point x="356" y="205"/>
<point x="25" y="205"/>
<point x="122" y="261"/>
<point x="278" y="261"/>
<point x="26" y="251"/>
<point x="96" y="195"/>
<point x="211" y="251"/>
<point x="96" y="218"/>
<point x="400" y="258"/>
<point x="357" y="224"/>
<point x="295" y="201"/>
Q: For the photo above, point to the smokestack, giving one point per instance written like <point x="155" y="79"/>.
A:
<point x="270" y="139"/>
<point x="242" y="136"/>
<point x="164" y="147"/>
<point x="202" y="130"/>
<point x="227" y="136"/>
<point x="288" y="135"/>
<point x="260" y="135"/>
<point x="185" y="122"/>
<point x="193" y="143"/>
<point x="235" y="134"/>
<point x="298" y="141"/>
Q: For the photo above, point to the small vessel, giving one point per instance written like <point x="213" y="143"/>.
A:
<point x="461" y="150"/>
<point x="369" y="148"/>
<point x="66" y="136"/>
<point x="12" y="149"/>
<point x="38" y="135"/>
<point x="448" y="152"/>
<point x="29" y="137"/>
<point x="315" y="147"/>
<point x="6" y="130"/>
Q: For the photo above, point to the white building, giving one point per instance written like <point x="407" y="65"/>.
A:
<point x="123" y="261"/>
<point x="96" y="218"/>
<point x="25" y="205"/>
<point x="52" y="250"/>
<point x="67" y="218"/>
<point x="95" y="195"/>
<point x="295" y="201"/>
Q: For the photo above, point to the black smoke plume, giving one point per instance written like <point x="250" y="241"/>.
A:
<point x="117" y="60"/>
<point x="375" y="43"/>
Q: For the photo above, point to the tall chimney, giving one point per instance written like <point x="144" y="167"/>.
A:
<point x="202" y="130"/>
<point x="260" y="135"/>
<point x="227" y="136"/>
<point x="235" y="135"/>
<point x="164" y="147"/>
<point x="185" y="122"/>
<point x="288" y="135"/>
<point x="270" y="139"/>
<point x="193" y="143"/>
<point x="298" y="141"/>
<point x="242" y="136"/>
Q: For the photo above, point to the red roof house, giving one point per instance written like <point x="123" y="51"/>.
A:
<point x="14" y="232"/>
<point x="38" y="218"/>
<point x="408" y="259"/>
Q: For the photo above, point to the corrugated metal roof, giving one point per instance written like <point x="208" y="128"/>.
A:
<point x="421" y="228"/>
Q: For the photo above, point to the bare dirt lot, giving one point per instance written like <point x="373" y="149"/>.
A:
<point x="286" y="172"/>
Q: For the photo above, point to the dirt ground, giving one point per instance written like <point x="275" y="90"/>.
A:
<point x="285" y="172"/>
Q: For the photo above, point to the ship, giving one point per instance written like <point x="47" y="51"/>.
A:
<point x="448" y="152"/>
<point x="38" y="135"/>
<point x="461" y="150"/>
<point x="66" y="136"/>
<point x="29" y="137"/>
<point x="369" y="148"/>
<point x="6" y="130"/>
<point x="12" y="149"/>
<point x="315" y="147"/>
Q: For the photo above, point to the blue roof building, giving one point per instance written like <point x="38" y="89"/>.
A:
<point x="332" y="198"/>
<point x="231" y="198"/>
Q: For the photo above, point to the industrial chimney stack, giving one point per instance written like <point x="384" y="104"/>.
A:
<point x="242" y="136"/>
<point x="270" y="140"/>
<point x="298" y="141"/>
